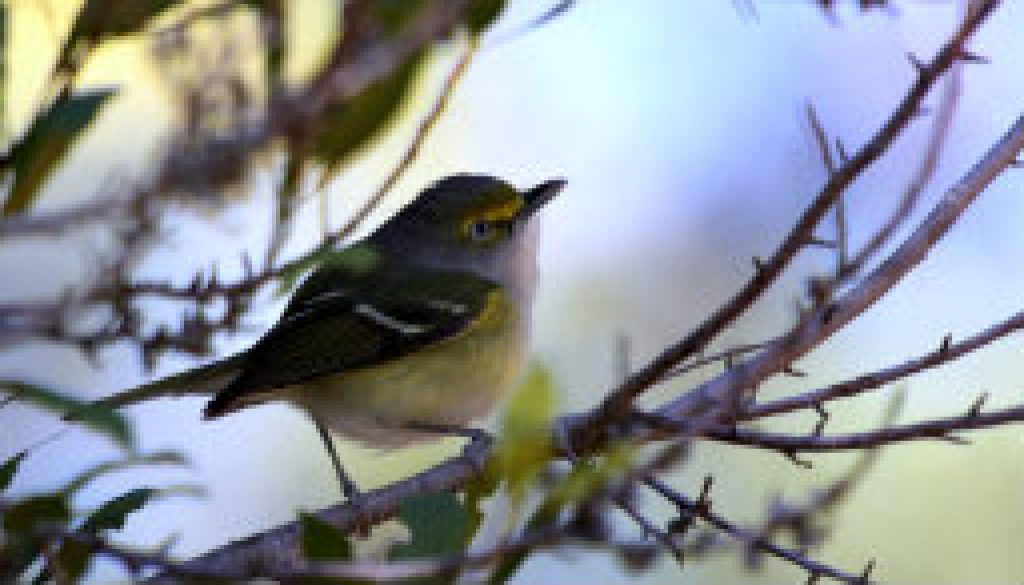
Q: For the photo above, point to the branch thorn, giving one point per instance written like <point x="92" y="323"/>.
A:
<point x="792" y="456"/>
<point x="978" y="404"/>
<point x="918" y="65"/>
<point x="865" y="575"/>
<point x="969" y="57"/>
<point x="947" y="341"/>
<point x="823" y="416"/>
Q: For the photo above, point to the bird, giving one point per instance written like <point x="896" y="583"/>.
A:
<point x="413" y="332"/>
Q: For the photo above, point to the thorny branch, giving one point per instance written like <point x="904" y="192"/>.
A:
<point x="944" y="353"/>
<point x="937" y="429"/>
<point x="802" y="232"/>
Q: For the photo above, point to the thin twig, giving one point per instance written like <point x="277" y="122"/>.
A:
<point x="872" y="380"/>
<point x="940" y="429"/>
<point x="412" y="151"/>
<point x="618" y="400"/>
<point x="718" y="396"/>
<point x="924" y="174"/>
<point x="793" y="557"/>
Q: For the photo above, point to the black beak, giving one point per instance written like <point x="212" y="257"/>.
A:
<point x="539" y="196"/>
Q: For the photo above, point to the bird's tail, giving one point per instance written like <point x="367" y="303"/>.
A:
<point x="202" y="381"/>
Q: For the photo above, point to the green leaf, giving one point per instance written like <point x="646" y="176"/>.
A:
<point x="590" y="475"/>
<point x="70" y="562"/>
<point x="393" y="14"/>
<point x="101" y="419"/>
<point x="22" y="516"/>
<point x="113" y="513"/>
<point x="524" y="442"/>
<point x="45" y="143"/>
<point x="481" y="14"/>
<point x="103" y="19"/>
<point x="356" y="259"/>
<point x="294" y="271"/>
<point x="479" y="488"/>
<point x="19" y="546"/>
<point x="350" y="124"/>
<point x="322" y="541"/>
<point x="158" y="458"/>
<point x="438" y="525"/>
<point x="9" y="469"/>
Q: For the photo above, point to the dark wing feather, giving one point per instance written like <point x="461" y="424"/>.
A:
<point x="352" y="314"/>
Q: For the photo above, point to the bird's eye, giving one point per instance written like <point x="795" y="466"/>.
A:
<point x="481" y="230"/>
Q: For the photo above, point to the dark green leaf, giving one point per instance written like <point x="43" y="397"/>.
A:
<point x="112" y="514"/>
<point x="70" y="562"/>
<point x="393" y="14"/>
<point x="98" y="418"/>
<point x="50" y="508"/>
<point x="438" y="525"/>
<point x="9" y="469"/>
<point x="481" y="14"/>
<point x="350" y="124"/>
<point x="102" y="19"/>
<point x="322" y="541"/>
<point x="45" y="143"/>
<point x="18" y="553"/>
<point x="477" y="490"/>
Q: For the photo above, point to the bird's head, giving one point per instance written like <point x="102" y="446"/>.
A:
<point x="468" y="222"/>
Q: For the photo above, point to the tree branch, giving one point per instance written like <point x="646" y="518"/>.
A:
<point x="718" y="397"/>
<point x="945" y="353"/>
<point x="618" y="400"/>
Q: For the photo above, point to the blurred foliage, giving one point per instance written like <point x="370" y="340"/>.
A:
<point x="524" y="445"/>
<point x="35" y="156"/>
<point x="43" y="532"/>
<point x="100" y="20"/>
<point x="351" y="124"/>
<point x="103" y="420"/>
<point x="438" y="524"/>
<point x="321" y="541"/>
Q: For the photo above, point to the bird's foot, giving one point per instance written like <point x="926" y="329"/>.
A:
<point x="474" y="452"/>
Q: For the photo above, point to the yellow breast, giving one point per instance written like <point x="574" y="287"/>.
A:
<point x="451" y="383"/>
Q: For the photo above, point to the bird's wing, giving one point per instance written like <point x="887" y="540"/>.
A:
<point x="356" y="310"/>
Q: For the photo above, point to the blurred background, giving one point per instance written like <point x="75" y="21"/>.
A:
<point x="681" y="128"/>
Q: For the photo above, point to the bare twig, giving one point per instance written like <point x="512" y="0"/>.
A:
<point x="717" y="395"/>
<point x="941" y="429"/>
<point x="926" y="170"/>
<point x="726" y="357"/>
<point x="619" y="398"/>
<point x="793" y="557"/>
<point x="870" y="381"/>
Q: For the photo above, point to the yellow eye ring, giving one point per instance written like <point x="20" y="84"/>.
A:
<point x="481" y="231"/>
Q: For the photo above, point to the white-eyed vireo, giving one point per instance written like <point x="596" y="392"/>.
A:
<point x="420" y="327"/>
